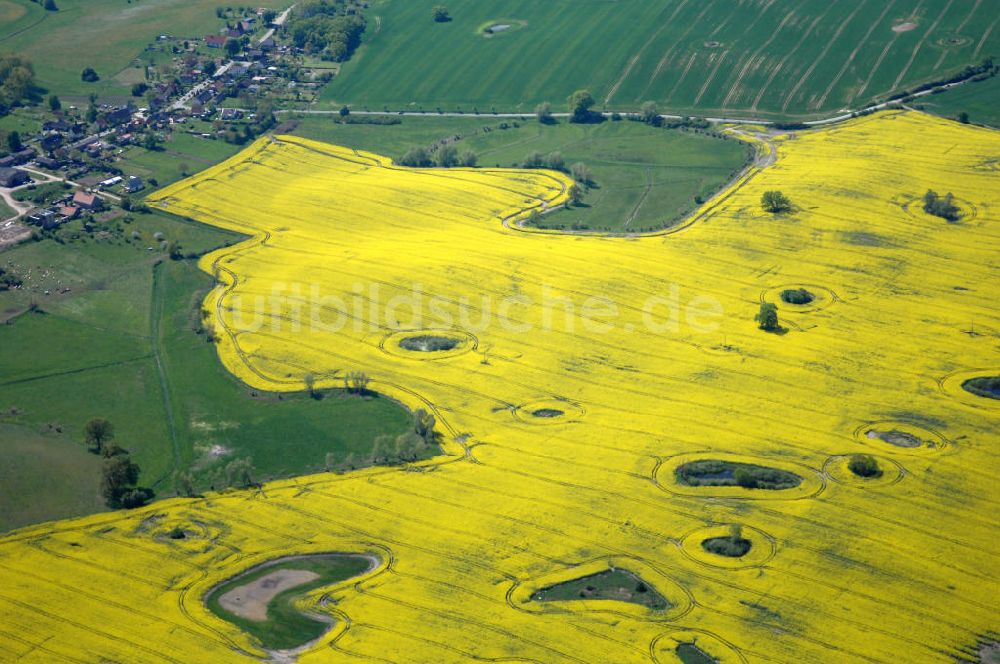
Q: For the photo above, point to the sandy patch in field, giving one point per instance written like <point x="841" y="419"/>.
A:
<point x="904" y="27"/>
<point x="250" y="600"/>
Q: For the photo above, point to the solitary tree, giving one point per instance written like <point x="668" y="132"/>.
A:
<point x="416" y="157"/>
<point x="544" y="113"/>
<point x="50" y="5"/>
<point x="239" y="473"/>
<point x="409" y="446"/>
<point x="97" y="432"/>
<point x="534" y="160"/>
<point x="344" y="111"/>
<point x="88" y="75"/>
<point x="54" y="103"/>
<point x="14" y="142"/>
<point x="767" y="317"/>
<point x="356" y="381"/>
<point x="184" y="484"/>
<point x="581" y="173"/>
<point x="555" y="161"/>
<point x="469" y="159"/>
<point x="423" y="424"/>
<point x="963" y="117"/>
<point x="649" y="113"/>
<point x="580" y="103"/>
<point x="233" y="47"/>
<point x="575" y="194"/>
<point x="310" y="382"/>
<point x="774" y="201"/>
<point x="119" y="474"/>
<point x="447" y="156"/>
<point x="440" y="14"/>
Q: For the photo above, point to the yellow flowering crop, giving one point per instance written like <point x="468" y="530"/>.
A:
<point x="580" y="373"/>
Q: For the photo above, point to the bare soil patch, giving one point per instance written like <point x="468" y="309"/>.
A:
<point x="250" y="601"/>
<point x="904" y="27"/>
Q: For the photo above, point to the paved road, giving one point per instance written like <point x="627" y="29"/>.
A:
<point x="278" y="21"/>
<point x="847" y="115"/>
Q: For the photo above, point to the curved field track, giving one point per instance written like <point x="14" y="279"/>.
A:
<point x="846" y="573"/>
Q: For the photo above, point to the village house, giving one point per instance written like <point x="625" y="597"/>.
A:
<point x="50" y="141"/>
<point x="13" y="177"/>
<point x="87" y="201"/>
<point x="215" y="41"/>
<point x="68" y="212"/>
<point x="134" y="184"/>
<point x="49" y="163"/>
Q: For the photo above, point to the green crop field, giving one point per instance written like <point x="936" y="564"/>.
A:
<point x="108" y="35"/>
<point x="645" y="177"/>
<point x="980" y="100"/>
<point x="792" y="58"/>
<point x="115" y="338"/>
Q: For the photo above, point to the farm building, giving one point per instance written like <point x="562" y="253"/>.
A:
<point x="13" y="177"/>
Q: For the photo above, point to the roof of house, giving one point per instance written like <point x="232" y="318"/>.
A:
<point x="215" y="39"/>
<point x="68" y="210"/>
<point x="84" y="199"/>
<point x="7" y="173"/>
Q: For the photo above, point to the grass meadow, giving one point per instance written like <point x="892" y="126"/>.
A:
<point x="116" y="339"/>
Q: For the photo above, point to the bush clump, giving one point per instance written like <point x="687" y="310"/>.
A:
<point x="428" y="343"/>
<point x="941" y="206"/>
<point x="983" y="386"/>
<point x="712" y="472"/>
<point x="733" y="545"/>
<point x="864" y="465"/>
<point x="797" y="296"/>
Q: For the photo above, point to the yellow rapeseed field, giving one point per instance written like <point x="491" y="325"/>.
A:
<point x="648" y="348"/>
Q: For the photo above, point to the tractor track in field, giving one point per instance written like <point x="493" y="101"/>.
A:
<point x="155" y="313"/>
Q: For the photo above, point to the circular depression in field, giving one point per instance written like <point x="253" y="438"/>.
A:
<point x="549" y="411"/>
<point x="666" y="477"/>
<point x="694" y="645"/>
<point x="762" y="547"/>
<point x="952" y="41"/>
<point x="428" y="344"/>
<point x="837" y="469"/>
<point x="976" y="387"/>
<point x="914" y="207"/>
<point x="899" y="437"/>
<point x="524" y="595"/>
<point x="789" y="298"/>
<point x="500" y="26"/>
